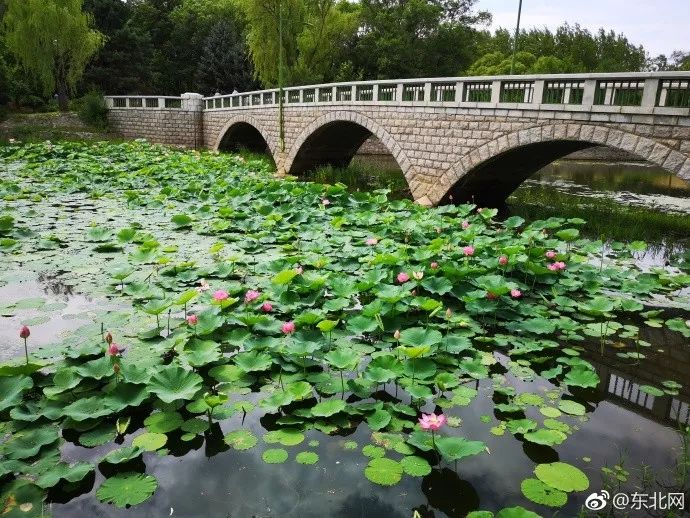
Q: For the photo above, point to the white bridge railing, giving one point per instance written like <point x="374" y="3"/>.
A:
<point x="641" y="92"/>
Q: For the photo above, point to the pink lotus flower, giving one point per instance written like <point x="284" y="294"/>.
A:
<point x="288" y="328"/>
<point x="491" y="296"/>
<point x="203" y="286"/>
<point x="115" y="350"/>
<point x="24" y="332"/>
<point x="403" y="277"/>
<point x="515" y="293"/>
<point x="434" y="265"/>
<point x="550" y="254"/>
<point x="480" y="210"/>
<point x="299" y="270"/>
<point x="396" y="335"/>
<point x="251" y="296"/>
<point x="557" y="266"/>
<point x="108" y="338"/>
<point x="372" y="241"/>
<point x="449" y="313"/>
<point x="418" y="275"/>
<point x="465" y="224"/>
<point x="192" y="320"/>
<point x="266" y="307"/>
<point x="220" y="295"/>
<point x="468" y="250"/>
<point x="432" y="421"/>
<point x="325" y="202"/>
<point x="503" y="260"/>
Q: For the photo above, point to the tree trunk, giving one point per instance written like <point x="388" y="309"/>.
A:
<point x="62" y="98"/>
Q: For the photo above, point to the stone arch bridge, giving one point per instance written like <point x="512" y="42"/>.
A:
<point x="455" y="139"/>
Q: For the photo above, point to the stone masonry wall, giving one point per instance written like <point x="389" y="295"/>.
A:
<point x="174" y="127"/>
<point x="435" y="146"/>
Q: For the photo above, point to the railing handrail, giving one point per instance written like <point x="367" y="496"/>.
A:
<point x="477" y="79"/>
<point x="629" y="91"/>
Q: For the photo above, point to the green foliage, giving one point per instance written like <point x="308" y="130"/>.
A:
<point x="92" y="110"/>
<point x="312" y="34"/>
<point x="568" y="49"/>
<point x="58" y="58"/>
<point x="192" y="378"/>
<point x="127" y="489"/>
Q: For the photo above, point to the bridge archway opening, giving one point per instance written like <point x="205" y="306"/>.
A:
<point x="347" y="152"/>
<point x="333" y="144"/>
<point x="491" y="182"/>
<point x="242" y="136"/>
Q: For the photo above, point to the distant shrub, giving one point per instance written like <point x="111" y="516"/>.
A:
<point x="92" y="110"/>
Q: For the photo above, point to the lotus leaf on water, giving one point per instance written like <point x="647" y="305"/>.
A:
<point x="234" y="284"/>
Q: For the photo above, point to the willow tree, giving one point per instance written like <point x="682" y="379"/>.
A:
<point x="312" y="32"/>
<point x="53" y="40"/>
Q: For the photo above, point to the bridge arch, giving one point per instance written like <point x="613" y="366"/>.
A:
<point x="244" y="131"/>
<point x="490" y="172"/>
<point x="334" y="138"/>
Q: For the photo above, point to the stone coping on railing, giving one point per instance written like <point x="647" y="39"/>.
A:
<point x="645" y="93"/>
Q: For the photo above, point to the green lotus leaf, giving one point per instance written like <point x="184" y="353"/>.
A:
<point x="343" y="358"/>
<point x="420" y="337"/>
<point x="456" y="448"/>
<point x="284" y="436"/>
<point x="150" y="441"/>
<point x="307" y="457"/>
<point x="415" y="466"/>
<point x="521" y="426"/>
<point x="328" y="408"/>
<point x="546" y="437"/>
<point x="241" y="439"/>
<point x="21" y="498"/>
<point x="562" y="476"/>
<point x="382" y="471"/>
<point x="163" y="422"/>
<point x="254" y="361"/>
<point x="173" y="383"/>
<point x="540" y="493"/>
<point x="98" y="436"/>
<point x="62" y="471"/>
<point x="581" y="376"/>
<point x="373" y="451"/>
<point x="28" y="442"/>
<point x="274" y="456"/>
<point x="12" y="390"/>
<point x="87" y="408"/>
<point x="571" y="407"/>
<point x="379" y="419"/>
<point x="125" y="489"/>
<point x="122" y="455"/>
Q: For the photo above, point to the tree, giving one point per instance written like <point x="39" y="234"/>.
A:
<point x="314" y="33"/>
<point x="416" y="38"/>
<point x="53" y="40"/>
<point x="124" y="64"/>
<point x="569" y="49"/>
<point x="224" y="64"/>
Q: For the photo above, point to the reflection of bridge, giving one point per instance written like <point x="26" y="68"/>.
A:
<point x="620" y="381"/>
<point x="454" y="138"/>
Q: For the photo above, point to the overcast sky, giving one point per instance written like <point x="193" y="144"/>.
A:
<point x="662" y="26"/>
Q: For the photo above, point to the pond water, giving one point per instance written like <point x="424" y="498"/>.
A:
<point x="64" y="289"/>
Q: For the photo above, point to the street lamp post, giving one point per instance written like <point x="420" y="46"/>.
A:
<point x="515" y="40"/>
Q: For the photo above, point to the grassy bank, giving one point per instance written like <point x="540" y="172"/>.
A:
<point x="53" y="126"/>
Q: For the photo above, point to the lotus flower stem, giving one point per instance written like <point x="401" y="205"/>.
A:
<point x="26" y="352"/>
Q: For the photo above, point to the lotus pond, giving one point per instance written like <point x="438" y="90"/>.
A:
<point x="204" y="339"/>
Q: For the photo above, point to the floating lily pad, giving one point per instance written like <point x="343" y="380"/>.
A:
<point x="127" y="489"/>
<point x="383" y="471"/>
<point x="274" y="456"/>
